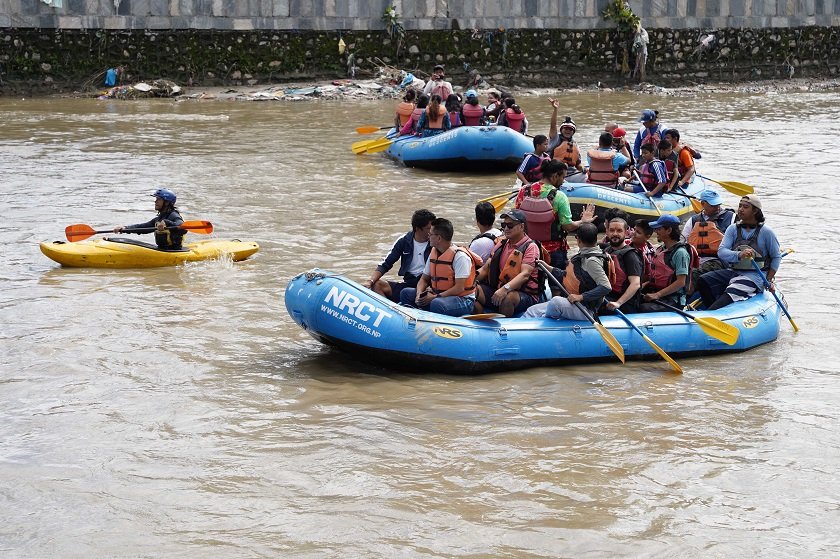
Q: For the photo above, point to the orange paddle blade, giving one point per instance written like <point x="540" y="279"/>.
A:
<point x="370" y="129"/>
<point x="81" y="231"/>
<point x="78" y="232"/>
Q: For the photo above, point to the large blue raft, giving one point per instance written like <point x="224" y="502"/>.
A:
<point x="466" y="148"/>
<point x="341" y="313"/>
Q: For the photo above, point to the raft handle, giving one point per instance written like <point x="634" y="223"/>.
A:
<point x="503" y="332"/>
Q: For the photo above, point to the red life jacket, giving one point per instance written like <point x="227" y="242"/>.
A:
<point x="652" y="137"/>
<point x="472" y="114"/>
<point x="442" y="273"/>
<point x="514" y="119"/>
<point x="601" y="169"/>
<point x="404" y="111"/>
<point x="534" y="174"/>
<point x="539" y="212"/>
<point x="661" y="270"/>
<point x="454" y="118"/>
<point x="442" y="89"/>
<point x="568" y="153"/>
<point x="648" y="176"/>
<point x="671" y="165"/>
<point x="620" y="282"/>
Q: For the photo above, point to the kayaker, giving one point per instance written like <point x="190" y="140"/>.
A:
<point x="628" y="265"/>
<point x="412" y="250"/>
<point x="483" y="243"/>
<point x="705" y="232"/>
<point x="586" y="278"/>
<point x="746" y="239"/>
<point x="670" y="267"/>
<point x="447" y="285"/>
<point x="509" y="280"/>
<point x="165" y="223"/>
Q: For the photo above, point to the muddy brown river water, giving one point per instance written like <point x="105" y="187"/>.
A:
<point x="179" y="412"/>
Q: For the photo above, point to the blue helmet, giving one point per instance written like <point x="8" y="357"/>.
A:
<point x="165" y="194"/>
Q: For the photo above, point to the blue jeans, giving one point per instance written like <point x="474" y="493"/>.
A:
<point x="450" y="306"/>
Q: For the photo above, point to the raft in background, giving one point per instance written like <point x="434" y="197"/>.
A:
<point x="119" y="252"/>
<point x="636" y="204"/>
<point x="341" y="313"/>
<point x="484" y="149"/>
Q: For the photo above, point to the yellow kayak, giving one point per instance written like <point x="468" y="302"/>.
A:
<point x="119" y="252"/>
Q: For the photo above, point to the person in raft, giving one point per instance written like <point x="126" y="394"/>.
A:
<point x="165" y="224"/>
<point x="412" y="250"/>
<point x="447" y="285"/>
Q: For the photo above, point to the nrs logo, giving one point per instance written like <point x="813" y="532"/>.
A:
<point x="447" y="332"/>
<point x="751" y="322"/>
<point x="352" y="305"/>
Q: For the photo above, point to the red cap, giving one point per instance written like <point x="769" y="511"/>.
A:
<point x="619" y="133"/>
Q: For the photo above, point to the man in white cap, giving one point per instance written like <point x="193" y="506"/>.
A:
<point x="704" y="231"/>
<point x="748" y="239"/>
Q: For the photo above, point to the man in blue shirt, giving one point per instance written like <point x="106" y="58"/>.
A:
<point x="747" y="239"/>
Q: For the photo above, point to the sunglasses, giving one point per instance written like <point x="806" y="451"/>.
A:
<point x="511" y="225"/>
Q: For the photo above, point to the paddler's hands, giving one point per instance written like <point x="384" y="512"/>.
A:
<point x="747" y="253"/>
<point x="499" y="296"/>
<point x="160" y="226"/>
<point x="119" y="229"/>
<point x="574" y="298"/>
<point x="425" y="299"/>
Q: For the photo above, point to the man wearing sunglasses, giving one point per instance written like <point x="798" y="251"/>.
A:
<point x="508" y="280"/>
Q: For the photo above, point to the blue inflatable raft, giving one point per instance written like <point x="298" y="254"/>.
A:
<point x="485" y="149"/>
<point x="341" y="313"/>
<point x="637" y="205"/>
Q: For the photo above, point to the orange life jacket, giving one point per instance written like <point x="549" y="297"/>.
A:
<point x="514" y="119"/>
<point x="601" y="170"/>
<point x="577" y="281"/>
<point x="435" y="123"/>
<point x="472" y="114"/>
<point x="404" y="111"/>
<point x="706" y="235"/>
<point x="442" y="272"/>
<point x="568" y="153"/>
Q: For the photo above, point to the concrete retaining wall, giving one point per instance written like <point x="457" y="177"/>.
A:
<point x="363" y="15"/>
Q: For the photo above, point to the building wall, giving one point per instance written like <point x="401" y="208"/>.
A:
<point x="363" y="15"/>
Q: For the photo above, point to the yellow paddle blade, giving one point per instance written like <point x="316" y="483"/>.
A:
<point x="735" y="187"/>
<point x="718" y="329"/>
<point x="795" y="327"/>
<point x="499" y="204"/>
<point x="610" y="340"/>
<point x="379" y="145"/>
<point x="362" y="146"/>
<point x="500" y="195"/>
<point x="661" y="352"/>
<point x="696" y="205"/>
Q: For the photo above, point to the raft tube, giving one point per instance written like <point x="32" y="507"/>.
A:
<point x="120" y="252"/>
<point x="637" y="205"/>
<point x="341" y="313"/>
<point x="487" y="149"/>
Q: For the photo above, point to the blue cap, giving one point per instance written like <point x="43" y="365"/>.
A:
<point x="711" y="197"/>
<point x="470" y="93"/>
<point x="648" y="115"/>
<point x="165" y="194"/>
<point x="666" y="220"/>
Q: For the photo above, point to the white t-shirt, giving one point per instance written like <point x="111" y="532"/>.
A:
<point x="484" y="246"/>
<point x="462" y="265"/>
<point x="418" y="258"/>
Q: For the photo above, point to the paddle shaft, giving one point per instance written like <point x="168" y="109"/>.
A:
<point x="778" y="300"/>
<point x="655" y="207"/>
<point x="565" y="293"/>
<point x="695" y="203"/>
<point x="650" y="342"/>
